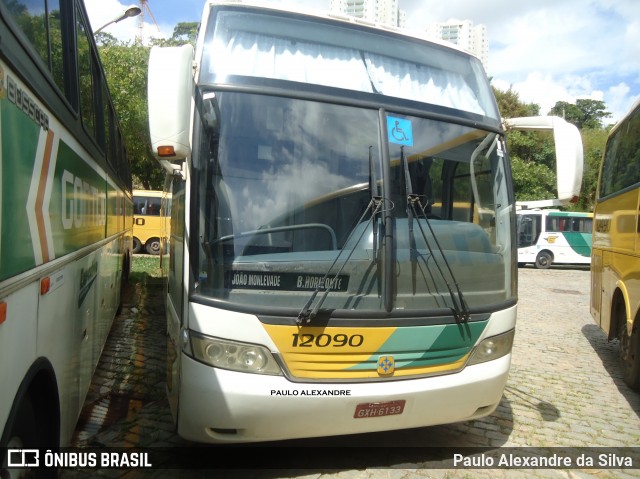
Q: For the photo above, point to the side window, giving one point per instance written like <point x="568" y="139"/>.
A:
<point x="622" y="157"/>
<point x="86" y="78"/>
<point x="139" y="205"/>
<point x="40" y="22"/>
<point x="147" y="206"/>
<point x="153" y="206"/>
<point x="55" y="42"/>
<point x="32" y="19"/>
<point x="462" y="199"/>
<point x="109" y="126"/>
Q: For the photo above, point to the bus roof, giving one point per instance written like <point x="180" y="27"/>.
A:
<point x="635" y="106"/>
<point x="152" y="193"/>
<point x="327" y="15"/>
<point x="553" y="212"/>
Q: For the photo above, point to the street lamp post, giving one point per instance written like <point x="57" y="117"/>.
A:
<point x="131" y="11"/>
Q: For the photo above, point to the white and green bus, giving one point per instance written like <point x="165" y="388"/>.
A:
<point x="547" y="237"/>
<point x="342" y="256"/>
<point x="65" y="219"/>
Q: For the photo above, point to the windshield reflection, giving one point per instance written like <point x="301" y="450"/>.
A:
<point x="286" y="202"/>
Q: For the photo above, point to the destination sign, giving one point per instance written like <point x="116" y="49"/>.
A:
<point x="284" y="281"/>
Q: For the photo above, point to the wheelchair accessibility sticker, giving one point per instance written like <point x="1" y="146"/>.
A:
<point x="400" y="131"/>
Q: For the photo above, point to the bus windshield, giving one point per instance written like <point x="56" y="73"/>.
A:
<point x="292" y="48"/>
<point x="284" y="207"/>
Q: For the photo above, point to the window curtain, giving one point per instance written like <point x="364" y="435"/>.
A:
<point x="258" y="55"/>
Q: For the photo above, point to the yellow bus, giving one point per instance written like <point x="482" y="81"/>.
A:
<point x="147" y="221"/>
<point x="615" y="257"/>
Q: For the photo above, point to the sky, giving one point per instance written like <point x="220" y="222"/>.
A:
<point x="545" y="50"/>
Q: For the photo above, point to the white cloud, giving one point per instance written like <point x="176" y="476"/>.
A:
<point x="619" y="100"/>
<point x="548" y="51"/>
<point x="551" y="51"/>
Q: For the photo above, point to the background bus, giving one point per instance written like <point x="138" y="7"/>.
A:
<point x="615" y="263"/>
<point x="66" y="219"/>
<point x="313" y="286"/>
<point x="547" y="237"/>
<point x="148" y="223"/>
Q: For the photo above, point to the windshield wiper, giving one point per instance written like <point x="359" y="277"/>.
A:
<point x="460" y="309"/>
<point x="307" y="314"/>
<point x="373" y="188"/>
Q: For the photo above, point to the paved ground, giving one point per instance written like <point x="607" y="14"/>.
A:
<point x="564" y="391"/>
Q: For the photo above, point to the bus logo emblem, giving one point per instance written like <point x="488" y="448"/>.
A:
<point x="386" y="365"/>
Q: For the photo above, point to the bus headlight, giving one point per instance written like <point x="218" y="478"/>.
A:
<point x="233" y="355"/>
<point x="492" y="348"/>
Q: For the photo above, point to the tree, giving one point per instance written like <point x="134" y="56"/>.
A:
<point x="125" y="66"/>
<point x="183" y="33"/>
<point x="510" y="105"/>
<point x="532" y="181"/>
<point x="593" y="142"/>
<point x="585" y="114"/>
<point x="532" y="153"/>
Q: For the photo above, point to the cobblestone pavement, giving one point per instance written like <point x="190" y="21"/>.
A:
<point x="565" y="390"/>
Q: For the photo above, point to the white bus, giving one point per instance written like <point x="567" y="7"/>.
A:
<point x="547" y="237"/>
<point x="65" y="220"/>
<point x="341" y="257"/>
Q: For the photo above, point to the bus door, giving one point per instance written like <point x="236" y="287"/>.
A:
<point x="528" y="230"/>
<point x="616" y="237"/>
<point x="173" y="271"/>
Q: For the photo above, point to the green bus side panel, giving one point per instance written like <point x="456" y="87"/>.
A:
<point x="78" y="203"/>
<point x="19" y="138"/>
<point x="75" y="194"/>
<point x="579" y="242"/>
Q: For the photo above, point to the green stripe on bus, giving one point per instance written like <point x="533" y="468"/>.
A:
<point x="579" y="242"/>
<point x="427" y="345"/>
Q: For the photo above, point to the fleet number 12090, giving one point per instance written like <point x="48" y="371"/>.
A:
<point x="327" y="340"/>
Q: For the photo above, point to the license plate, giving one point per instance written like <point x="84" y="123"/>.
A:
<point x="379" y="409"/>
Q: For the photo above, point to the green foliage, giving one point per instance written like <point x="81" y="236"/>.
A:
<point x="532" y="153"/>
<point x="125" y="66"/>
<point x="510" y="105"/>
<point x="593" y="143"/>
<point x="532" y="147"/>
<point x="531" y="180"/>
<point x="183" y="33"/>
<point x="585" y="114"/>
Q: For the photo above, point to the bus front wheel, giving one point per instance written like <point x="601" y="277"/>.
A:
<point x="630" y="355"/>
<point x="543" y="260"/>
